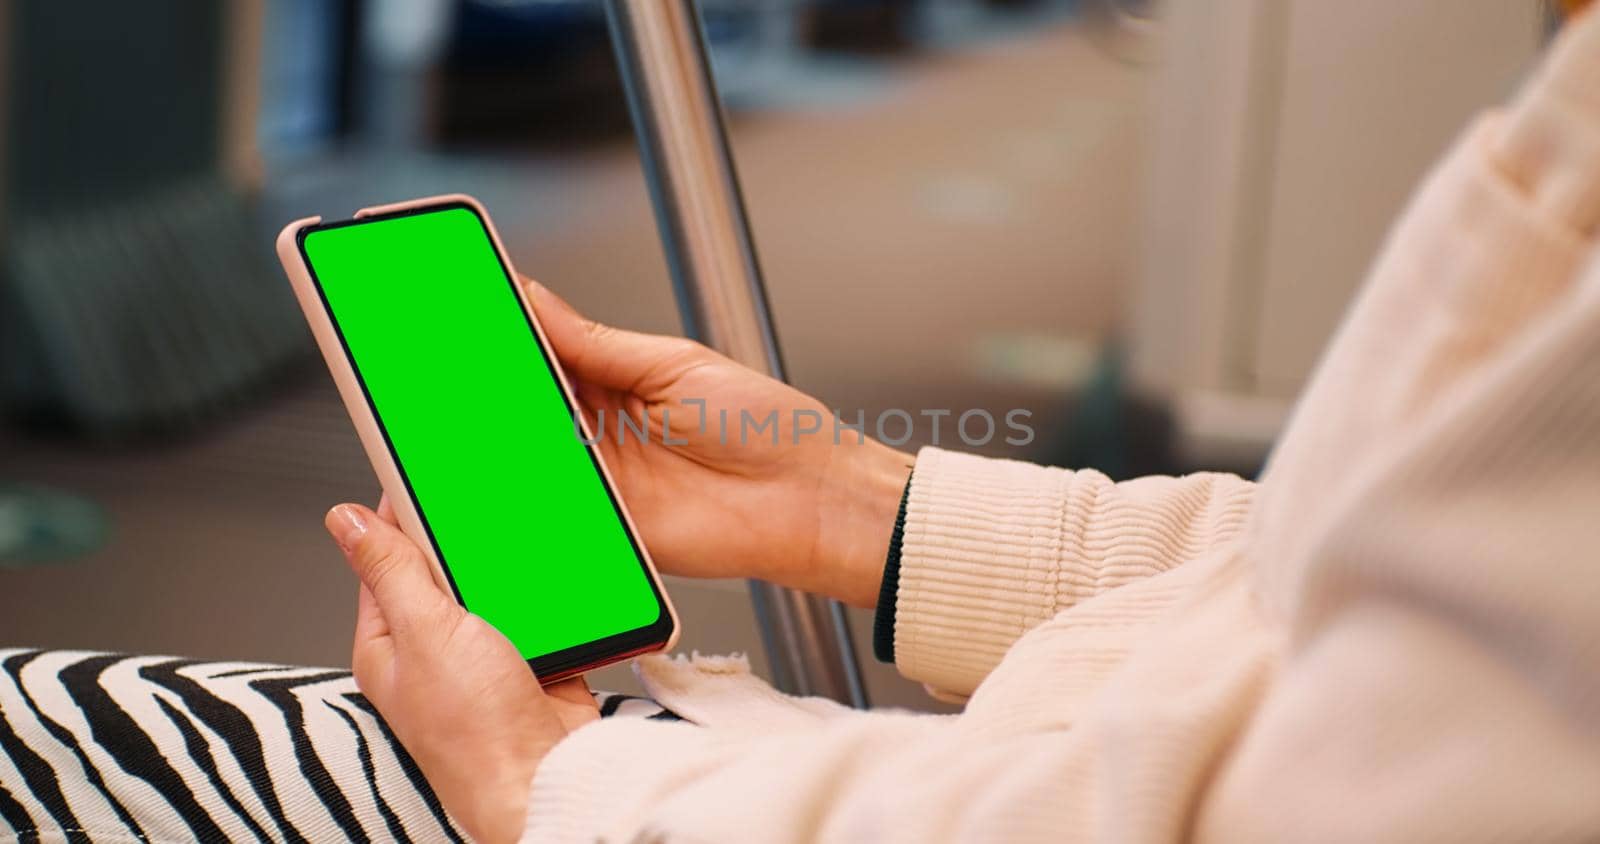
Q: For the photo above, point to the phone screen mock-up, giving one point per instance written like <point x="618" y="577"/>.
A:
<point x="528" y="531"/>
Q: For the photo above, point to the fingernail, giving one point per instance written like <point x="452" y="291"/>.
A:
<point x="346" y="525"/>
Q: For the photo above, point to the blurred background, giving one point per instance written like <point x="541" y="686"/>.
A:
<point x="1137" y="220"/>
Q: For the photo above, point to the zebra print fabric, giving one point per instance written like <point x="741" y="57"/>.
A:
<point x="108" y="747"/>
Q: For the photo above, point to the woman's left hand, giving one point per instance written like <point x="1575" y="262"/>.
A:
<point x="454" y="690"/>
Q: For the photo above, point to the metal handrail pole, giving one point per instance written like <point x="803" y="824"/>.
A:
<point x="677" y="119"/>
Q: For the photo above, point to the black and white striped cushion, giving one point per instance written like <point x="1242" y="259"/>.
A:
<point x="108" y="747"/>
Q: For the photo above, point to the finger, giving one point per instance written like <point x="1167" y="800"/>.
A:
<point x="369" y="619"/>
<point x="386" y="509"/>
<point x="373" y="653"/>
<point x="574" y="690"/>
<point x="593" y="398"/>
<point x="388" y="563"/>
<point x="607" y="356"/>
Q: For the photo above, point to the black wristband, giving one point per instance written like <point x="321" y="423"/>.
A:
<point x="883" y="621"/>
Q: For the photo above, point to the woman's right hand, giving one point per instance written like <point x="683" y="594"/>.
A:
<point x="800" y="507"/>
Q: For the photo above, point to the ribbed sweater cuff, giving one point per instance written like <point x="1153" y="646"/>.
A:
<point x="889" y="587"/>
<point x="980" y="563"/>
<point x="594" y="784"/>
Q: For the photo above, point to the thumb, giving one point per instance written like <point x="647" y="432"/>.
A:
<point x="389" y="565"/>
<point x="600" y="354"/>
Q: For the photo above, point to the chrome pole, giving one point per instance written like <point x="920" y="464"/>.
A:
<point x="678" y="121"/>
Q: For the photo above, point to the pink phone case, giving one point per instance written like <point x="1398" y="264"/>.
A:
<point x="366" y="423"/>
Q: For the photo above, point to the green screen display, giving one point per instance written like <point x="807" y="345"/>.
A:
<point x="483" y="434"/>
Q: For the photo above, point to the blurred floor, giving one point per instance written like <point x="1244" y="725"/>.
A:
<point x="977" y="203"/>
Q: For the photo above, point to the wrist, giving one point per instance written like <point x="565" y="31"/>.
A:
<point x="857" y="506"/>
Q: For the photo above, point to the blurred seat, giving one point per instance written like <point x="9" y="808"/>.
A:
<point x="139" y="292"/>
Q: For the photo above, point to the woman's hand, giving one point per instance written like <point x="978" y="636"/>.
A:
<point x="456" y="693"/>
<point x="793" y="504"/>
<point x="715" y="491"/>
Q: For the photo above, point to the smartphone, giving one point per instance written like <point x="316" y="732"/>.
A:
<point x="472" y="430"/>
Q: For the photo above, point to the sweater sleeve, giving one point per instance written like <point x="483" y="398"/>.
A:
<point x="1429" y="673"/>
<point x="885" y="777"/>
<point x="990" y="548"/>
<point x="1443" y="683"/>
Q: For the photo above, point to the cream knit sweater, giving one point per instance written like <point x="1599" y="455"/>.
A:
<point x="1394" y="637"/>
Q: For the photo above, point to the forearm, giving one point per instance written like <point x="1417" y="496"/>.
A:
<point x="992" y="548"/>
<point x="881" y="777"/>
